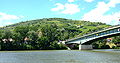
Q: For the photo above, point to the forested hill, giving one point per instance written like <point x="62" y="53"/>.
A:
<point x="60" y="22"/>
<point x="45" y="33"/>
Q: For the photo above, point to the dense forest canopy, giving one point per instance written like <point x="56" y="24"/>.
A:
<point x="45" y="33"/>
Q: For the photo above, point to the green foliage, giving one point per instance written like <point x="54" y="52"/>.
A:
<point x="45" y="33"/>
<point x="101" y="44"/>
<point x="115" y="47"/>
<point x="116" y="39"/>
<point x="105" y="47"/>
<point x="43" y="43"/>
<point x="55" y="46"/>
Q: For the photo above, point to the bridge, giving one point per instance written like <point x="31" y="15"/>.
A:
<point x="89" y="38"/>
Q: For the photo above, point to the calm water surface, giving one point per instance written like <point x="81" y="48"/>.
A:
<point x="61" y="56"/>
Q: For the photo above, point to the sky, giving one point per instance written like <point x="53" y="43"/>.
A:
<point x="15" y="11"/>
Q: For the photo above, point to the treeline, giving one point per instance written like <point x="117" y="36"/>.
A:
<point x="42" y="34"/>
<point x="104" y="43"/>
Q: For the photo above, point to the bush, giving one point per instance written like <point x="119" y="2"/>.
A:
<point x="105" y="47"/>
<point x="115" y="47"/>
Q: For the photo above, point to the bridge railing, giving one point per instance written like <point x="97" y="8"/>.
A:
<point x="105" y="31"/>
<point x="88" y="39"/>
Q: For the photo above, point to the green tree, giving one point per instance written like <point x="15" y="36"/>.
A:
<point x="32" y="36"/>
<point x="21" y="32"/>
<point x="43" y="43"/>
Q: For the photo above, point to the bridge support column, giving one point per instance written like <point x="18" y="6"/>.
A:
<point x="85" y="47"/>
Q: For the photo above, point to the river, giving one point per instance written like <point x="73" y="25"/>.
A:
<point x="61" y="56"/>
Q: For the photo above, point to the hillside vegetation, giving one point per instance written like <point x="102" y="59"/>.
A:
<point x="44" y="33"/>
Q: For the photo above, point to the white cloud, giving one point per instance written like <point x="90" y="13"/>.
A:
<point x="59" y="7"/>
<point x="7" y="23"/>
<point x="4" y="23"/>
<point x="97" y="14"/>
<point x="5" y="18"/>
<point x="114" y="18"/>
<point x="66" y="8"/>
<point x="70" y="9"/>
<point x="71" y="0"/>
<point x="89" y="0"/>
<point x="112" y="3"/>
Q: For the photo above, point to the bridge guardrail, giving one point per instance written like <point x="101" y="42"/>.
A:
<point x="114" y="27"/>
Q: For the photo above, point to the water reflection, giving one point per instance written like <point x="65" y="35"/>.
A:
<point x="61" y="56"/>
<point x="108" y="50"/>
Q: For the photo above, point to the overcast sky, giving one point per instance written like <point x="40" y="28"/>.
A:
<point x="14" y="11"/>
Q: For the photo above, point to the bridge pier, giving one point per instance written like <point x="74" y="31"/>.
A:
<point x="85" y="47"/>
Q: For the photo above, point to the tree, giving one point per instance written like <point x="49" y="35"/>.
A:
<point x="46" y="33"/>
<point x="54" y="45"/>
<point x="50" y="31"/>
<point x="21" y="31"/>
<point x="32" y="36"/>
<point x="43" y="43"/>
<point x="6" y="40"/>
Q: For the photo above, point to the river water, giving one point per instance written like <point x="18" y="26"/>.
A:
<point x="61" y="56"/>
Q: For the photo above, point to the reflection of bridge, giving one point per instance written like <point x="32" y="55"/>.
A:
<point x="93" y="36"/>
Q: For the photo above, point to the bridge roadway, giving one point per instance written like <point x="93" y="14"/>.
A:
<point x="96" y="35"/>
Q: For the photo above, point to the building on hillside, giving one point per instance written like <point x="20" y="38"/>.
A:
<point x="26" y="40"/>
<point x="7" y="40"/>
